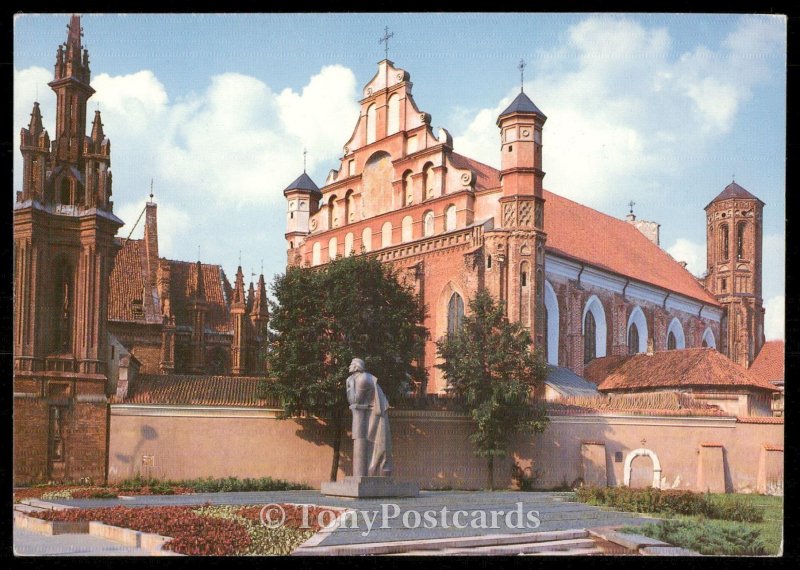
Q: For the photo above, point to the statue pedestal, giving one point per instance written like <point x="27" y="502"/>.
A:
<point x="369" y="487"/>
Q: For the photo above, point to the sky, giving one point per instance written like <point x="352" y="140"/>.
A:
<point x="663" y="110"/>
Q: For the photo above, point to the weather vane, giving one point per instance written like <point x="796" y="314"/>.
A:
<point x="151" y="190"/>
<point x="631" y="204"/>
<point x="385" y="39"/>
<point x="521" y="68"/>
<point x="305" y="152"/>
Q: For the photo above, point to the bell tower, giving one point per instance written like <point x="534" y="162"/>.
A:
<point x="64" y="249"/>
<point x="734" y="266"/>
<point x="522" y="214"/>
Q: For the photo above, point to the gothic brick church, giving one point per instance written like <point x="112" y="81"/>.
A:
<point x="93" y="311"/>
<point x="585" y="284"/>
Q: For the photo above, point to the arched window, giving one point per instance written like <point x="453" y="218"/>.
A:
<point x="455" y="313"/>
<point x="637" y="326"/>
<point x="407" y="197"/>
<point x="740" y="240"/>
<point x="63" y="305"/>
<point x="708" y="339"/>
<point x="450" y="218"/>
<point x="64" y="195"/>
<point x="331" y="212"/>
<point x="427" y="223"/>
<point x="551" y="323"/>
<point x="488" y="262"/>
<point x="393" y="119"/>
<point x="723" y="241"/>
<point x="633" y="339"/>
<point x="366" y="239"/>
<point x="316" y="254"/>
<point x="675" y="336"/>
<point x="594" y="329"/>
<point x="386" y="234"/>
<point x="589" y="338"/>
<point x="407" y="229"/>
<point x="371" y="124"/>
<point x="332" y="247"/>
<point x="348" y="207"/>
<point x="348" y="244"/>
<point x="672" y="342"/>
<point x="427" y="180"/>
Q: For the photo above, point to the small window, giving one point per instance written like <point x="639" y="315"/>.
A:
<point x="617" y="457"/>
<point x="724" y="283"/>
<point x="510" y="147"/>
<point x="488" y="262"/>
<point x="672" y="342"/>
<point x="523" y="279"/>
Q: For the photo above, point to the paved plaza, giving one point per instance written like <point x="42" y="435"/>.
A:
<point x="389" y="518"/>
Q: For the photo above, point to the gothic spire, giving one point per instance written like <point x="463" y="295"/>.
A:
<point x="199" y="288"/>
<point x="35" y="126"/>
<point x="250" y="297"/>
<point x="238" y="288"/>
<point x="260" y="305"/>
<point x="75" y="32"/>
<point x="97" y="128"/>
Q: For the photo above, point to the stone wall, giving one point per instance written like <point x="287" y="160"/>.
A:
<point x="433" y="448"/>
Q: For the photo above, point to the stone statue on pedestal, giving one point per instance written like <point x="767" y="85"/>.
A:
<point x="372" y="442"/>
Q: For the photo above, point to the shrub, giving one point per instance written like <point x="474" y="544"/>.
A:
<point x="705" y="537"/>
<point x="669" y="502"/>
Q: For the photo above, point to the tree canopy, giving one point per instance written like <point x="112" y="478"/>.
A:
<point x="323" y="318"/>
<point x="488" y="362"/>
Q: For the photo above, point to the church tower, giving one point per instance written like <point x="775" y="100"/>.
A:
<point x="522" y="214"/>
<point x="64" y="249"/>
<point x="734" y="237"/>
<point x="302" y="197"/>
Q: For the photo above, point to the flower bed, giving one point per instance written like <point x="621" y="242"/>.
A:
<point x="207" y="530"/>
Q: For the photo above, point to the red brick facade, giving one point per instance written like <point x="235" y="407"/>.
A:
<point x="64" y="250"/>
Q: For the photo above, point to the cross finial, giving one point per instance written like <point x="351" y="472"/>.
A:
<point x="151" y="190"/>
<point x="522" y="65"/>
<point x="262" y="267"/>
<point x="733" y="177"/>
<point x="240" y="258"/>
<point x="631" y="204"/>
<point x="305" y="152"/>
<point x="644" y="441"/>
<point x="385" y="40"/>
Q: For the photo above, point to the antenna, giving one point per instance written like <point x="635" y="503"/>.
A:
<point x="522" y="65"/>
<point x="385" y="39"/>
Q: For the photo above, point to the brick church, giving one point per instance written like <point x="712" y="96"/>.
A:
<point x="94" y="311"/>
<point x="585" y="284"/>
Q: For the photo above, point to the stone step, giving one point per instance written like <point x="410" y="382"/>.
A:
<point x="440" y="544"/>
<point x="23" y="508"/>
<point x="581" y="545"/>
<point x="571" y="552"/>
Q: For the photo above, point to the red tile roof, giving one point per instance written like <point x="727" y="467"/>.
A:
<point x="486" y="177"/>
<point x="191" y="390"/>
<point x="759" y="420"/>
<point x="127" y="284"/>
<point x="579" y="232"/>
<point x="183" y="275"/>
<point x="652" y="404"/>
<point x="573" y="230"/>
<point x="690" y="367"/>
<point x="768" y="365"/>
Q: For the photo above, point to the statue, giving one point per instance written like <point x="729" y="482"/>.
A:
<point x="372" y="442"/>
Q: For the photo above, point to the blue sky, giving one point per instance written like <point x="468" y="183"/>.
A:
<point x="659" y="109"/>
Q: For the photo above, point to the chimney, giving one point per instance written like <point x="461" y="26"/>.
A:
<point x="649" y="229"/>
<point x="151" y="241"/>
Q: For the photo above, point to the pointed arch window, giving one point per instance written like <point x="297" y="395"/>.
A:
<point x="672" y="342"/>
<point x="455" y="313"/>
<point x="633" y="339"/>
<point x="589" y="338"/>
<point x="724" y="245"/>
<point x="740" y="240"/>
<point x="371" y="124"/>
<point x="427" y="223"/>
<point x="393" y="118"/>
<point x="63" y="303"/>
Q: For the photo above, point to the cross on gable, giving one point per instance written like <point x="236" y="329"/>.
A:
<point x="385" y="39"/>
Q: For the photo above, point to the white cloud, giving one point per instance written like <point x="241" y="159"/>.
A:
<point x="774" y="314"/>
<point x="630" y="109"/>
<point x="694" y="254"/>
<point x="172" y="224"/>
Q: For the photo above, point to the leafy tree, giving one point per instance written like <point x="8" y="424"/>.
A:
<point x="323" y="318"/>
<point x="488" y="362"/>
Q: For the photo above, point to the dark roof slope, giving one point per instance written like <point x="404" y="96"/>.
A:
<point x="127" y="295"/>
<point x="689" y="367"/>
<point x="216" y="287"/>
<point x="191" y="390"/>
<point x="733" y="190"/>
<point x="303" y="182"/>
<point x="521" y="104"/>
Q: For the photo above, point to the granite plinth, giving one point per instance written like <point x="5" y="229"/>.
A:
<point x="369" y="487"/>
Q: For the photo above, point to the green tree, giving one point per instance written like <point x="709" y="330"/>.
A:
<point x="323" y="318"/>
<point x="489" y="363"/>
